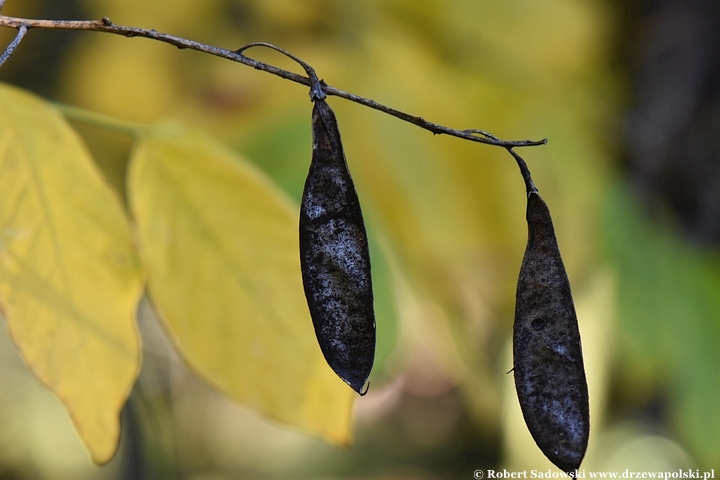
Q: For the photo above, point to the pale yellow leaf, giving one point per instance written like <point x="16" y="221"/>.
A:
<point x="69" y="275"/>
<point x="221" y="247"/>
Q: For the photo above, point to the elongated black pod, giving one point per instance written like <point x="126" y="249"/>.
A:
<point x="335" y="258"/>
<point x="548" y="363"/>
<point x="334" y="253"/>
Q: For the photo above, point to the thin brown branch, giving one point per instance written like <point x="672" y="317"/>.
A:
<point x="524" y="171"/>
<point x="106" y="26"/>
<point x="22" y="30"/>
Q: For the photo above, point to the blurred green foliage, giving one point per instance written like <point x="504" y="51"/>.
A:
<point x="669" y="306"/>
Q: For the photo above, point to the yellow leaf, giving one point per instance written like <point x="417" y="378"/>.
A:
<point x="221" y="247"/>
<point x="69" y="276"/>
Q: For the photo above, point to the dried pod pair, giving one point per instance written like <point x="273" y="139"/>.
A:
<point x="547" y="354"/>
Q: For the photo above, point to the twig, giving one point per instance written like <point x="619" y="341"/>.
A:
<point x="524" y="171"/>
<point x="316" y="87"/>
<point x="22" y="30"/>
<point x="105" y="25"/>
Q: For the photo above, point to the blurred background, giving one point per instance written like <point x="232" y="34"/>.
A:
<point x="626" y="92"/>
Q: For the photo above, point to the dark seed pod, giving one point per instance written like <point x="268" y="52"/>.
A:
<point x="548" y="363"/>
<point x="335" y="258"/>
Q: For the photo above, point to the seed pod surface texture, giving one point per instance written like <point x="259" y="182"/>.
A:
<point x="334" y="257"/>
<point x="547" y="355"/>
